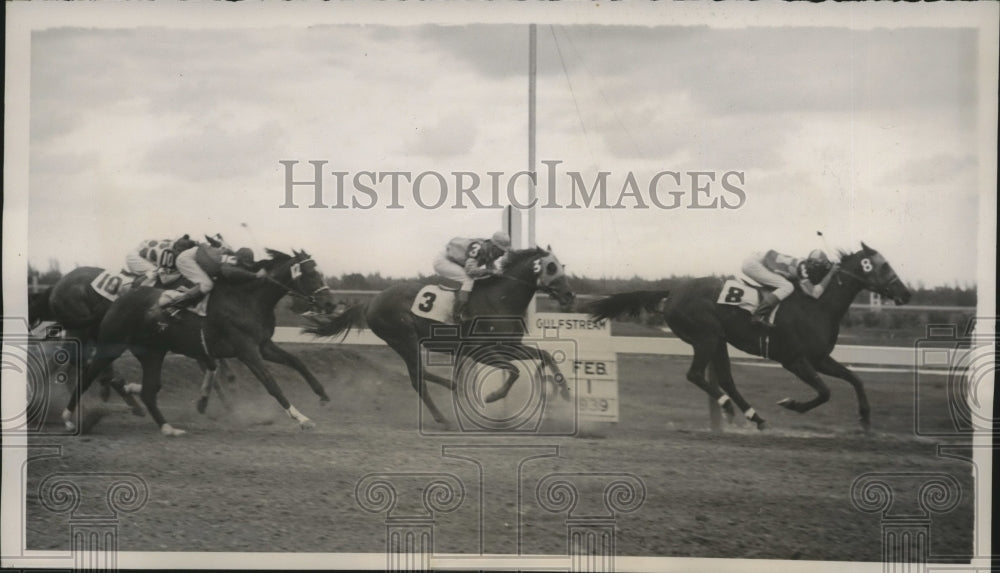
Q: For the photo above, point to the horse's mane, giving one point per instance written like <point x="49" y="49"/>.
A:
<point x="515" y="258"/>
<point x="278" y="258"/>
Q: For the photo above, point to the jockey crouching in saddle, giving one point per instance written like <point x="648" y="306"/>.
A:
<point x="779" y="271"/>
<point x="204" y="263"/>
<point x="154" y="259"/>
<point x="468" y="260"/>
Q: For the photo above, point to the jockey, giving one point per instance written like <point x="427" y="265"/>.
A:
<point x="204" y="262"/>
<point x="777" y="270"/>
<point x="154" y="258"/>
<point x="467" y="260"/>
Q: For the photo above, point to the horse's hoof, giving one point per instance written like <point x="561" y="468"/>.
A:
<point x="168" y="430"/>
<point x="202" y="404"/>
<point x="789" y="404"/>
<point x="68" y="422"/>
<point x="306" y="425"/>
<point x="494" y="396"/>
<point x="762" y="425"/>
<point x="866" y="425"/>
<point x="324" y="401"/>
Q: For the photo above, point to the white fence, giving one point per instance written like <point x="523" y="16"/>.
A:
<point x="899" y="356"/>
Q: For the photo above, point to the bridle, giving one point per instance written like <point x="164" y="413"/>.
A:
<point x="878" y="288"/>
<point x="291" y="290"/>
<point x="537" y="284"/>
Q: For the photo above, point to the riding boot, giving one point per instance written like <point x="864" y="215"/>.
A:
<point x="461" y="300"/>
<point x="767" y="304"/>
<point x="173" y="307"/>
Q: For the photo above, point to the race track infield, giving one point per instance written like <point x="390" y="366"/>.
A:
<point x="247" y="479"/>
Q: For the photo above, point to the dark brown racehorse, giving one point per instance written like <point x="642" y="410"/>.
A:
<point x="74" y="304"/>
<point x="497" y="303"/>
<point x="239" y="324"/>
<point x="78" y="309"/>
<point x="804" y="334"/>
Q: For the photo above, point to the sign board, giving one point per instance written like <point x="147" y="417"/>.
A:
<point x="595" y="366"/>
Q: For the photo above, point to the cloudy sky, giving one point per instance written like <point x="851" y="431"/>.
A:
<point x="157" y="131"/>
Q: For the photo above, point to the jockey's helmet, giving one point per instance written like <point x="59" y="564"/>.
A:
<point x="817" y="265"/>
<point x="183" y="244"/>
<point x="819" y="256"/>
<point x="244" y="257"/>
<point x="501" y="240"/>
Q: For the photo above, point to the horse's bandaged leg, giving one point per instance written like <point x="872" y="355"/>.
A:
<point x="304" y="422"/>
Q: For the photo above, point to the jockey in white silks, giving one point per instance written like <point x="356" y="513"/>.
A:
<point x="157" y="258"/>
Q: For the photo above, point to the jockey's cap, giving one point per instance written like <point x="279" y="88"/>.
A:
<point x="502" y="240"/>
<point x="183" y="244"/>
<point x="818" y="255"/>
<point x="244" y="257"/>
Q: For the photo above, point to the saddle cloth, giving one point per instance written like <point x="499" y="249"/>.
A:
<point x="434" y="302"/>
<point x="743" y="295"/>
<point x="111" y="285"/>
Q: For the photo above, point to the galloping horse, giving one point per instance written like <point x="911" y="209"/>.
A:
<point x="804" y="334"/>
<point x="502" y="296"/>
<point x="75" y="305"/>
<point x="239" y="323"/>
<point x="78" y="309"/>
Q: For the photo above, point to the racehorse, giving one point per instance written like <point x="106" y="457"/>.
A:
<point x="493" y="302"/>
<point x="75" y="305"/>
<point x="239" y="323"/>
<point x="78" y="309"/>
<point x="804" y="334"/>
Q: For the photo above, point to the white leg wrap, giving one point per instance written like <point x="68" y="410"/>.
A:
<point x="723" y="399"/>
<point x="750" y="413"/>
<point x="295" y="414"/>
<point x="67" y="417"/>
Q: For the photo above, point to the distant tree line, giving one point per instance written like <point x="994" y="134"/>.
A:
<point x="953" y="295"/>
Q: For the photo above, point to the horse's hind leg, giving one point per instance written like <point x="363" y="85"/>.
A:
<point x="408" y="351"/>
<point x="827" y="365"/>
<point x="89" y="375"/>
<point x="274" y="353"/>
<point x="804" y="370"/>
<point x="703" y="353"/>
<point x="724" y="374"/>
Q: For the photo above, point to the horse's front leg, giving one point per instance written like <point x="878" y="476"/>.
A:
<point x="804" y="370"/>
<point x="827" y="365"/>
<point x="251" y="356"/>
<point x="274" y="353"/>
<point x="208" y="381"/>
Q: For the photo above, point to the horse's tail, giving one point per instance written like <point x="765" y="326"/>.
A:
<point x="353" y="317"/>
<point x="38" y="306"/>
<point x="626" y="304"/>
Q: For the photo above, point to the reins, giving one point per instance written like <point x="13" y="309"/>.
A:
<point x="311" y="298"/>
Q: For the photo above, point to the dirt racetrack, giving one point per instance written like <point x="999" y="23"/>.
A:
<point x="250" y="480"/>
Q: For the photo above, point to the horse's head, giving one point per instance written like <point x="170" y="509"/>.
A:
<point x="547" y="272"/>
<point x="299" y="274"/>
<point x="871" y="268"/>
